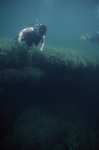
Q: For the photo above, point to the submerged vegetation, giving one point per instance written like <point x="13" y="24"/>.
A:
<point x="17" y="62"/>
<point x="13" y="55"/>
<point x="37" y="129"/>
<point x="54" y="76"/>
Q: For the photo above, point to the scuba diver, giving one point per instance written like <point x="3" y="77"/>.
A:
<point x="94" y="39"/>
<point x="33" y="35"/>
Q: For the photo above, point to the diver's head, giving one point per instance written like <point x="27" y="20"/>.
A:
<point x="42" y="29"/>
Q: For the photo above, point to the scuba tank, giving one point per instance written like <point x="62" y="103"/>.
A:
<point x="36" y="26"/>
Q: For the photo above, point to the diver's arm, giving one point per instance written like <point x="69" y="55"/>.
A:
<point x="20" y="37"/>
<point x="42" y="43"/>
<point x="23" y="32"/>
